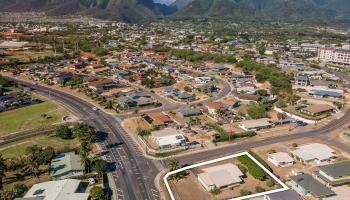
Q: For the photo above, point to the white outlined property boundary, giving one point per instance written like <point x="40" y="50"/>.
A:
<point x="284" y="186"/>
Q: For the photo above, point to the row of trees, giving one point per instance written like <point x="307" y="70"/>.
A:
<point x="280" y="83"/>
<point x="194" y="56"/>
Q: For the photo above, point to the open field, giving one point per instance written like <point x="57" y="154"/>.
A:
<point x="30" y="117"/>
<point x="25" y="56"/>
<point x="18" y="148"/>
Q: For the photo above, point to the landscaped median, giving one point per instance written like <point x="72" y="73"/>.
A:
<point x="225" y="136"/>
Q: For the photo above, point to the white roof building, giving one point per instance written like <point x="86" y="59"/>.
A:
<point x="168" y="137"/>
<point x="280" y="159"/>
<point x="57" y="190"/>
<point x="220" y="176"/>
<point x="255" y="124"/>
<point x="314" y="152"/>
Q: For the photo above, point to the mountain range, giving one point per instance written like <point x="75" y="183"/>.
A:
<point x="144" y="10"/>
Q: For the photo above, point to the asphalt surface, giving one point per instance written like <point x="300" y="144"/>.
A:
<point x="135" y="173"/>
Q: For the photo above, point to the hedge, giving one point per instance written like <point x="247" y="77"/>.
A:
<point x="253" y="169"/>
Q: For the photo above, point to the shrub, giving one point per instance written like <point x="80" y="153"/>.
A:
<point x="245" y="192"/>
<point x="215" y="191"/>
<point x="245" y="134"/>
<point x="253" y="168"/>
<point x="270" y="183"/>
<point x="259" y="189"/>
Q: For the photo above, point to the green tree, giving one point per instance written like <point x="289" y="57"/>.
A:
<point x="84" y="154"/>
<point x="256" y="111"/>
<point x="84" y="132"/>
<point x="19" y="189"/>
<point x="97" y="193"/>
<point x="63" y="132"/>
<point x="100" y="166"/>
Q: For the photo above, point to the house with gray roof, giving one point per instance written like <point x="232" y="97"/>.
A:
<point x="306" y="185"/>
<point x="335" y="174"/>
<point x="284" y="195"/>
<point x="188" y="112"/>
<point x="65" y="165"/>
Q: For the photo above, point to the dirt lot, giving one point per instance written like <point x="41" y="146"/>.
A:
<point x="190" y="188"/>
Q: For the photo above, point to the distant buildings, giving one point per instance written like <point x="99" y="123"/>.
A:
<point x="334" y="55"/>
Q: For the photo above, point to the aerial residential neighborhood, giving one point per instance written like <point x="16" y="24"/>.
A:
<point x="174" y="100"/>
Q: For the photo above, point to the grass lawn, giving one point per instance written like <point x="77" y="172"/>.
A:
<point x="18" y="148"/>
<point x="30" y="117"/>
<point x="32" y="54"/>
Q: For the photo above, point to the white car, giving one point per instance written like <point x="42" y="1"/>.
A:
<point x="95" y="109"/>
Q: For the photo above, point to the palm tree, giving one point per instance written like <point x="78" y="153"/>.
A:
<point x="2" y="170"/>
<point x="173" y="164"/>
<point x="84" y="154"/>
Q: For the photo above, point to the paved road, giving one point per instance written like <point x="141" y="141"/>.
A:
<point x="134" y="174"/>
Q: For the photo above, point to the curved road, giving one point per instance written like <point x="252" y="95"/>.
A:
<point x="134" y="174"/>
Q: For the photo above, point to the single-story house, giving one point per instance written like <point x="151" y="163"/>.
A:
<point x="325" y="93"/>
<point x="67" y="189"/>
<point x="280" y="159"/>
<point x="102" y="85"/>
<point x="220" y="176"/>
<point x="157" y="119"/>
<point x="318" y="109"/>
<point x="314" y="152"/>
<point x="248" y="98"/>
<point x="248" y="88"/>
<point x="284" y="195"/>
<point x="335" y="174"/>
<point x="66" y="165"/>
<point x="256" y="124"/>
<point x="168" y="138"/>
<point x="203" y="80"/>
<point x="305" y="184"/>
<point x="213" y="107"/>
<point x="230" y="103"/>
<point x="189" y="112"/>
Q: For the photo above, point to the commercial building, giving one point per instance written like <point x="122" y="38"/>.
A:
<point x="280" y="159"/>
<point x="168" y="138"/>
<point x="306" y="185"/>
<point x="314" y="152"/>
<point x="334" y="55"/>
<point x="68" y="189"/>
<point x="66" y="165"/>
<point x="220" y="176"/>
<point x="255" y="124"/>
